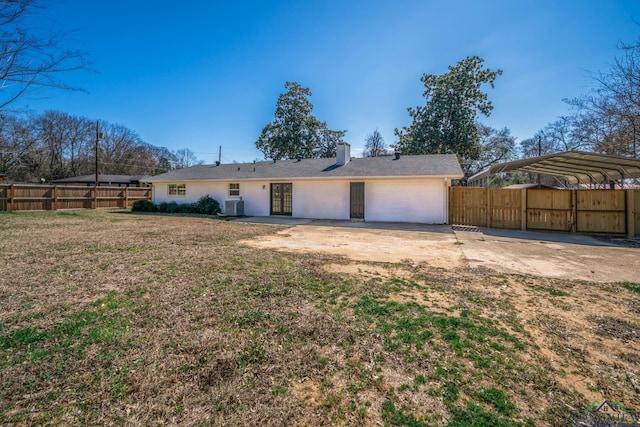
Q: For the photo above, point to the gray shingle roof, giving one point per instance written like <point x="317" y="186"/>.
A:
<point x="433" y="165"/>
<point x="116" y="179"/>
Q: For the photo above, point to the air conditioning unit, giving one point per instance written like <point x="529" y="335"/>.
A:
<point x="234" y="207"/>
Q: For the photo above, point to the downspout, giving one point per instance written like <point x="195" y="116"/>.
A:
<point x="446" y="201"/>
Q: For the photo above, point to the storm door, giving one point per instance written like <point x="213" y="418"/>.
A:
<point x="357" y="200"/>
<point x="281" y="199"/>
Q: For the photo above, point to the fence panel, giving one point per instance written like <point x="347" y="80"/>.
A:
<point x="72" y="197"/>
<point x="27" y="197"/>
<point x="110" y="197"/>
<point x="636" y="210"/>
<point x="32" y="197"/>
<point x="138" y="193"/>
<point x="601" y="211"/>
<point x="505" y="208"/>
<point x="468" y="206"/>
<point x="585" y="211"/>
<point x="549" y="210"/>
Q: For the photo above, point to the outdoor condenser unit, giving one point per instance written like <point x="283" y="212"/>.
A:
<point x="234" y="207"/>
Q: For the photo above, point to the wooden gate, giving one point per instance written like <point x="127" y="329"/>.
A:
<point x="601" y="211"/>
<point x="583" y="211"/>
<point x="485" y="207"/>
<point x="549" y="210"/>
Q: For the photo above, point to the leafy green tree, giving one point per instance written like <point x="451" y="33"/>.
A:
<point x="329" y="140"/>
<point x="447" y="122"/>
<point x="295" y="131"/>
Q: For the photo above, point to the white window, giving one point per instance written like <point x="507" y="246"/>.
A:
<point x="234" y="189"/>
<point x="177" y="189"/>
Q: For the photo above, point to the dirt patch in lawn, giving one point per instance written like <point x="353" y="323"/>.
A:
<point x="434" y="248"/>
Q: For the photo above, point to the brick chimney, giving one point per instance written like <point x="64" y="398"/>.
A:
<point x="343" y="153"/>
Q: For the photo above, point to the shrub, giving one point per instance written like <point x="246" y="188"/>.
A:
<point x="163" y="207"/>
<point x="208" y="206"/>
<point x="143" y="206"/>
<point x="205" y="205"/>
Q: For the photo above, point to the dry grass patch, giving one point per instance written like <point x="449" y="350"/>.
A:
<point x="114" y="318"/>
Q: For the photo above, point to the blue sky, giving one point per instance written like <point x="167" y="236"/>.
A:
<point x="204" y="74"/>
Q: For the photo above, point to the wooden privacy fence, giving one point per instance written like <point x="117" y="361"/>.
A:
<point x="578" y="211"/>
<point x="26" y="197"/>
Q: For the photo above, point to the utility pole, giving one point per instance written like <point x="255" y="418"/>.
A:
<point x="539" y="154"/>
<point x="220" y="154"/>
<point x="99" y="136"/>
<point x="97" y="143"/>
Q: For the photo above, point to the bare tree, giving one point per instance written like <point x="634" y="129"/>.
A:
<point x="374" y="145"/>
<point x="59" y="145"/>
<point x="495" y="146"/>
<point x="68" y="142"/>
<point x="185" y="158"/>
<point x="118" y="151"/>
<point x="17" y="147"/>
<point x="608" y="120"/>
<point x="27" y="60"/>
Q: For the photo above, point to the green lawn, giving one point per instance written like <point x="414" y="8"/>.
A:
<point x="115" y="318"/>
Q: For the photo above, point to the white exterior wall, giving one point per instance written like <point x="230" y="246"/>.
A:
<point x="256" y="198"/>
<point x="386" y="200"/>
<point x="423" y="201"/>
<point x="321" y="199"/>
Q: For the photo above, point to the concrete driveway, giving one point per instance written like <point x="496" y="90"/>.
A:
<point x="557" y="255"/>
<point x="363" y="241"/>
<point x="560" y="255"/>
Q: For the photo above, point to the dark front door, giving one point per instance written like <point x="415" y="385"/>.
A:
<point x="357" y="200"/>
<point x="281" y="199"/>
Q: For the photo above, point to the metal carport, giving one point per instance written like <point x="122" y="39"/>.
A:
<point x="577" y="167"/>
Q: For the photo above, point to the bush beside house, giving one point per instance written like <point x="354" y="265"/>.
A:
<point x="205" y="205"/>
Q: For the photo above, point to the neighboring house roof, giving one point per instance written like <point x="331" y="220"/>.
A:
<point x="433" y="165"/>
<point x="114" y="179"/>
<point x="532" y="185"/>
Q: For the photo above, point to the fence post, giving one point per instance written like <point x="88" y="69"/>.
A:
<point x="630" y="213"/>
<point x="54" y="202"/>
<point x="574" y="211"/>
<point x="10" y="195"/>
<point x="523" y="209"/>
<point x="94" y="203"/>
<point x="488" y="206"/>
<point x="126" y="197"/>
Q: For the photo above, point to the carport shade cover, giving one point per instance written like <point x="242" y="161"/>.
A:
<point x="574" y="166"/>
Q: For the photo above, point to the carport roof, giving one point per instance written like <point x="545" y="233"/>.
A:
<point x="575" y="166"/>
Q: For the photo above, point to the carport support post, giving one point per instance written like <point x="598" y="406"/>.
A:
<point x="631" y="232"/>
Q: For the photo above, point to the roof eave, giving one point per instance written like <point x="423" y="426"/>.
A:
<point x="311" y="178"/>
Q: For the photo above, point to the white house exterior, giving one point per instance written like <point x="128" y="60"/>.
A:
<point x="385" y="189"/>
